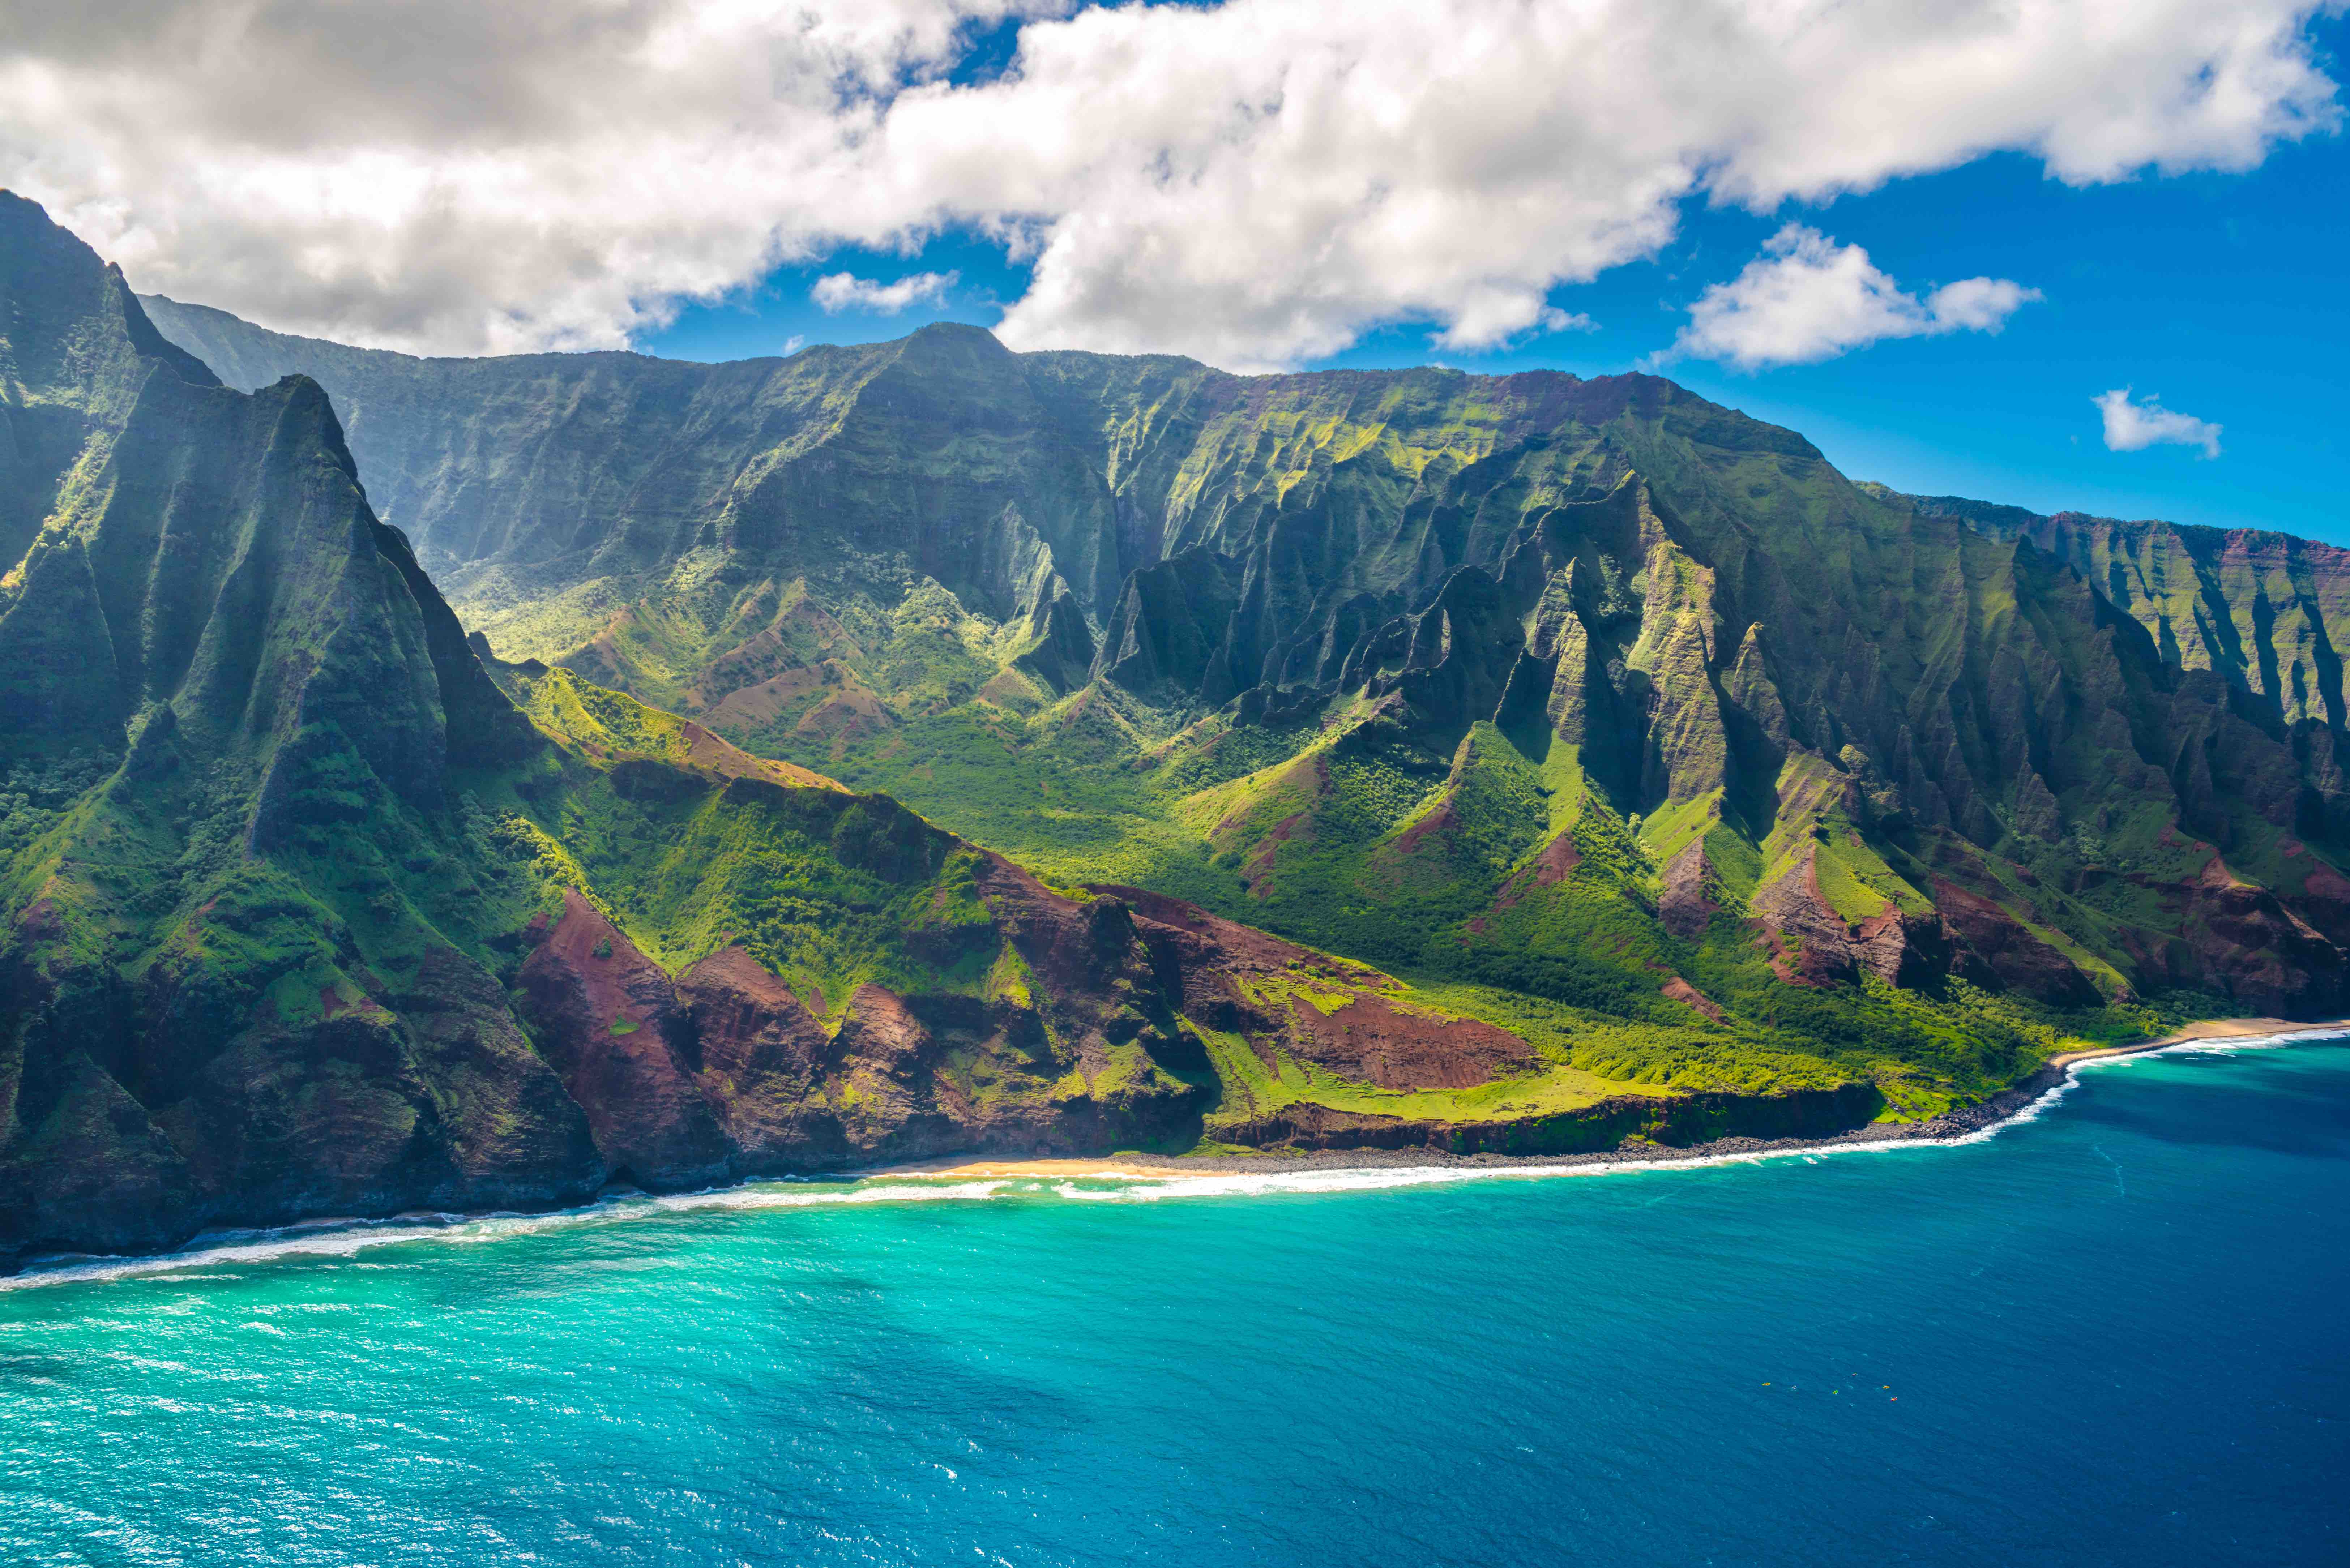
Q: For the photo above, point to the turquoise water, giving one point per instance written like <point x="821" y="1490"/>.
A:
<point x="2114" y="1334"/>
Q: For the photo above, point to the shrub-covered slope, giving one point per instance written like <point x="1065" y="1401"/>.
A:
<point x="1590" y="690"/>
<point x="307" y="907"/>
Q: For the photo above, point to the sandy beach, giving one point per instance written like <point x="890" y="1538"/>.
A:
<point x="2210" y="1029"/>
<point x="962" y="1169"/>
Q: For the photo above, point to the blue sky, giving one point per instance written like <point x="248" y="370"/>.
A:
<point x="1849" y="194"/>
<point x="2226" y="295"/>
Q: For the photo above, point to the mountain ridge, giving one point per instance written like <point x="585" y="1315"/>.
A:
<point x="1367" y="759"/>
<point x="314" y="906"/>
<point x="1655" y="603"/>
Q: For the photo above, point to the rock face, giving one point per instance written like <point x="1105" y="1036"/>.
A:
<point x="215" y="667"/>
<point x="609" y="1023"/>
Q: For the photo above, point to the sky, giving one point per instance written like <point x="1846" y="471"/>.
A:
<point x="2065" y="253"/>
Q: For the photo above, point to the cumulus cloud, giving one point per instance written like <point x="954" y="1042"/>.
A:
<point x="1505" y="321"/>
<point x="840" y="291"/>
<point x="1256" y="183"/>
<point x="1815" y="299"/>
<point x="2134" y="426"/>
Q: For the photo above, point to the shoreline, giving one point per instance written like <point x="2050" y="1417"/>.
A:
<point x="1952" y="1126"/>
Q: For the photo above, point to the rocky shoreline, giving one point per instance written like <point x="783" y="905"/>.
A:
<point x="1951" y="1128"/>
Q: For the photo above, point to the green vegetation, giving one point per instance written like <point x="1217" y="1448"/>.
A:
<point x="1730" y="792"/>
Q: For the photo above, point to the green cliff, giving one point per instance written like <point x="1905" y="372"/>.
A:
<point x="1385" y="661"/>
<point x="314" y="906"/>
<point x="1653" y="780"/>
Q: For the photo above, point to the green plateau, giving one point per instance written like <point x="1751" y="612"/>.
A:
<point x="466" y="783"/>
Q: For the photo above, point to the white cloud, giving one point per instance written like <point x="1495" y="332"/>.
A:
<point x="793" y="344"/>
<point x="1816" y="299"/>
<point x="840" y="291"/>
<point x="2134" y="426"/>
<point x="1255" y="182"/>
<point x="1506" y="321"/>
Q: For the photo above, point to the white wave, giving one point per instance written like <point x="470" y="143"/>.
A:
<point x="2222" y="1046"/>
<point x="346" y="1238"/>
<point x="309" y="1239"/>
<point x="870" y="1190"/>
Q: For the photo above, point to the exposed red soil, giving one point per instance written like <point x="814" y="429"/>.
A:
<point x="2020" y="961"/>
<point x="1685" y="906"/>
<point x="1682" y="991"/>
<point x="766" y="700"/>
<point x="1440" y="821"/>
<point x="605" y="1013"/>
<point x="1558" y="857"/>
<point x="1370" y="1040"/>
<point x="1258" y="868"/>
<point x="847" y="712"/>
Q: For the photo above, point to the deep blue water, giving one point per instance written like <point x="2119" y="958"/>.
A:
<point x="2112" y="1334"/>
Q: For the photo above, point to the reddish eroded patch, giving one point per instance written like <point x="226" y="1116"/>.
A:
<point x="2243" y="939"/>
<point x="1682" y="991"/>
<point x="769" y="657"/>
<point x="2325" y="901"/>
<point x="746" y="1020"/>
<point x="1216" y="971"/>
<point x="1685" y="907"/>
<point x="706" y="753"/>
<point x="2325" y="882"/>
<point x="1547" y="869"/>
<point x="603" y="1014"/>
<point x="767" y="700"/>
<point x="1228" y="945"/>
<point x="2171" y="838"/>
<point x="2290" y="846"/>
<point x="762" y="660"/>
<point x="1257" y="870"/>
<point x="1368" y="1040"/>
<point x="43" y="922"/>
<point x="330" y="1001"/>
<point x="880" y="1029"/>
<point x="2216" y="875"/>
<point x="846" y="714"/>
<point x="1371" y="1040"/>
<point x="1435" y="822"/>
<point x="618" y="984"/>
<point x="1559" y="857"/>
<point x="1807" y="940"/>
<point x="1908" y="950"/>
<point x="763" y="1059"/>
<point x="2019" y="959"/>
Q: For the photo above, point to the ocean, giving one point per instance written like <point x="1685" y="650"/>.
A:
<point x="2117" y="1332"/>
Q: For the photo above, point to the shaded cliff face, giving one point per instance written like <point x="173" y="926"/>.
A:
<point x="231" y="725"/>
<point x="1585" y="688"/>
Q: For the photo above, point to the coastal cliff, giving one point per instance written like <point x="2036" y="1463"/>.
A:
<point x="1610" y="773"/>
